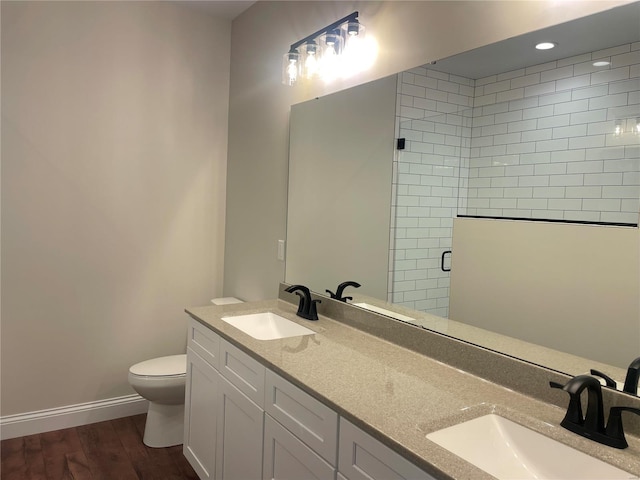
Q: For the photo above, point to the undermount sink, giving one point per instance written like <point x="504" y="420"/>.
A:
<point x="384" y="311"/>
<point x="267" y="326"/>
<point x="510" y="451"/>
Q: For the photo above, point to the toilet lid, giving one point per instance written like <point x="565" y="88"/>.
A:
<point x="162" y="366"/>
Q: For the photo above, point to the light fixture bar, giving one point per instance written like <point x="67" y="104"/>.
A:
<point x="349" y="18"/>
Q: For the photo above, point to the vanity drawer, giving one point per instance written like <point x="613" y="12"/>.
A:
<point x="204" y="342"/>
<point x="245" y="373"/>
<point x="362" y="457"/>
<point x="310" y="420"/>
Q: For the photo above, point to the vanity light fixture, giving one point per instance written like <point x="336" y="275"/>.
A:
<point x="337" y="50"/>
<point x="546" y="45"/>
<point x="637" y="129"/>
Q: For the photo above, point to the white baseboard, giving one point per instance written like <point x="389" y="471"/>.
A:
<point x="29" y="423"/>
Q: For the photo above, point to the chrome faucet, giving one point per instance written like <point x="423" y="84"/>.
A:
<point x="340" y="290"/>
<point x="307" y="306"/>
<point x="591" y="425"/>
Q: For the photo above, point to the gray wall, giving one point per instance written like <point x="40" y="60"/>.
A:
<point x="114" y="129"/>
<point x="409" y="34"/>
<point x="542" y="283"/>
<point x="340" y="188"/>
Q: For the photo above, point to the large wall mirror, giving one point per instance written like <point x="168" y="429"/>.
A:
<point x="509" y="217"/>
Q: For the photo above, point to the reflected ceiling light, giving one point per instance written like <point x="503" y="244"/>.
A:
<point x="337" y="50"/>
<point x="618" y="129"/>
<point x="545" y="45"/>
<point x="601" y="63"/>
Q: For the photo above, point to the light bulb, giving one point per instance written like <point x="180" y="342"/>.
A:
<point x="545" y="45"/>
<point x="311" y="65"/>
<point x="292" y="71"/>
<point x="618" y="130"/>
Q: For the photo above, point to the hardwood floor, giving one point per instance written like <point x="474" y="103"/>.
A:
<point x="111" y="450"/>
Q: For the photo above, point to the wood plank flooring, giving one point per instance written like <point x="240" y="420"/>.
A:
<point x="111" y="450"/>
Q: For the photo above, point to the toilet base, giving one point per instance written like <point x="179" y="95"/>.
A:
<point x="165" y="425"/>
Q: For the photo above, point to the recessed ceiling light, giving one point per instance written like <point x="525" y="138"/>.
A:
<point x="601" y="63"/>
<point x="545" y="45"/>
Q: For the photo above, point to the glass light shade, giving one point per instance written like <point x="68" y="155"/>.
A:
<point x="329" y="63"/>
<point x="291" y="68"/>
<point x="310" y="55"/>
<point x="360" y="50"/>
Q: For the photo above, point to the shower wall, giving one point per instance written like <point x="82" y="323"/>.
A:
<point x="435" y="119"/>
<point x="556" y="141"/>
<point x="559" y="140"/>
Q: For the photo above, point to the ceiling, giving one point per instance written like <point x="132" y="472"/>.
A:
<point x="610" y="28"/>
<point x="228" y="9"/>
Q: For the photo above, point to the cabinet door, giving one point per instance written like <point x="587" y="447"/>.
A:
<point x="204" y="342"/>
<point x="362" y="457"/>
<point x="201" y="410"/>
<point x="287" y="458"/>
<point x="244" y="372"/>
<point x="309" y="419"/>
<point x="240" y="432"/>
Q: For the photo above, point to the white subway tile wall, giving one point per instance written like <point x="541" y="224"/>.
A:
<point x="434" y="116"/>
<point x="560" y="118"/>
<point x="558" y="141"/>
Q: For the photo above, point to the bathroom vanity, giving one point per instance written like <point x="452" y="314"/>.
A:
<point x="343" y="403"/>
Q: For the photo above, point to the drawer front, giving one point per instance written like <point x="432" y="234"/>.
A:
<point x="245" y="373"/>
<point x="310" y="420"/>
<point x="204" y="342"/>
<point x="362" y="457"/>
<point x="286" y="457"/>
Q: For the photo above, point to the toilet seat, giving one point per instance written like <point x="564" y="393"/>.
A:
<point x="170" y="366"/>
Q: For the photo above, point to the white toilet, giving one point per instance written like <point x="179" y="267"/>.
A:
<point x="162" y="382"/>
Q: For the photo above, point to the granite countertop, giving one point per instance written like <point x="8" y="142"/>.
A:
<point x="394" y="394"/>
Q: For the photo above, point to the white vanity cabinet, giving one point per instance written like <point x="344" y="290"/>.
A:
<point x="224" y="418"/>
<point x="301" y="433"/>
<point x="243" y="421"/>
<point x="286" y="457"/>
<point x="362" y="457"/>
<point x="201" y="400"/>
<point x="240" y="415"/>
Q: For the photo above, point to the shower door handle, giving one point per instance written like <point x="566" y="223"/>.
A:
<point x="444" y="254"/>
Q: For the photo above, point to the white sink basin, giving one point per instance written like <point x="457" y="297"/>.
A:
<point x="267" y="326"/>
<point x="510" y="451"/>
<point x="384" y="311"/>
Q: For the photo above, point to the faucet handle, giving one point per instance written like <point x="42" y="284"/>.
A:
<point x="340" y="289"/>
<point x="633" y="375"/>
<point x="610" y="382"/>
<point x="614" y="429"/>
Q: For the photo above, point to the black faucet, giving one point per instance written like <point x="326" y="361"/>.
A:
<point x="593" y="421"/>
<point x="592" y="425"/>
<point x="614" y="428"/>
<point x="633" y="375"/>
<point x="307" y="306"/>
<point x="610" y="382"/>
<point x="341" y="287"/>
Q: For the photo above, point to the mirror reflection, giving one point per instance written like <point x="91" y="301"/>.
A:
<point x="489" y="136"/>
